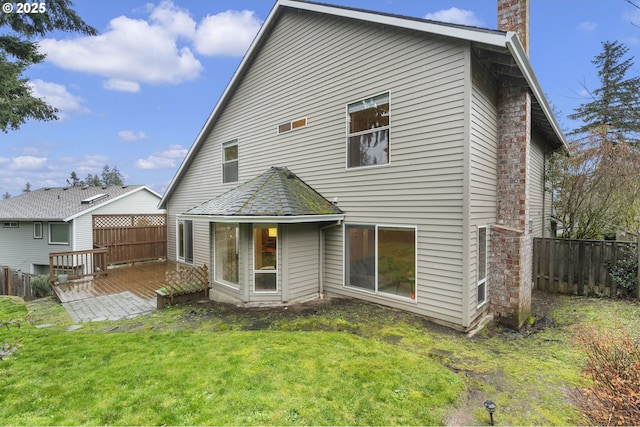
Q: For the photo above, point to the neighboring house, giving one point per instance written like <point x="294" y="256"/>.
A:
<point x="425" y="140"/>
<point x="39" y="222"/>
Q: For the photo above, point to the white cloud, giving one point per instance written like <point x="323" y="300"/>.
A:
<point x="227" y="33"/>
<point x="587" y="26"/>
<point x="156" y="50"/>
<point x="57" y="96"/>
<point x="177" y="22"/>
<point x="121" y="85"/>
<point x="130" y="52"/>
<point x="27" y="163"/>
<point x="131" y="136"/>
<point x="167" y="159"/>
<point x="456" y="16"/>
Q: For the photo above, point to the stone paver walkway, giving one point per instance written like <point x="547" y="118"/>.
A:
<point x="109" y="307"/>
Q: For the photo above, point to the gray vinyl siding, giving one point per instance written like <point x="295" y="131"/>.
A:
<point x="19" y="250"/>
<point x="537" y="208"/>
<point x="302" y="266"/>
<point x="482" y="172"/>
<point x="313" y="66"/>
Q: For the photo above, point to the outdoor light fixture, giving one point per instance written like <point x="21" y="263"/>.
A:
<point x="491" y="408"/>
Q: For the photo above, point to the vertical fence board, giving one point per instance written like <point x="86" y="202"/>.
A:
<point x="576" y="266"/>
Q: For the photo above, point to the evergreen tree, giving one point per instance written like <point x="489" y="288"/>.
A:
<point x="112" y="176"/>
<point x="27" y="187"/>
<point x="93" y="181"/>
<point x="19" y="50"/>
<point x="73" y="180"/>
<point x="6" y="195"/>
<point x="615" y="105"/>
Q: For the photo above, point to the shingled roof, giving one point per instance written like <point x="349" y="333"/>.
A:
<point x="278" y="195"/>
<point x="62" y="203"/>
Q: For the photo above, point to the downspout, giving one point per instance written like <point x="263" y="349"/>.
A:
<point x="321" y="263"/>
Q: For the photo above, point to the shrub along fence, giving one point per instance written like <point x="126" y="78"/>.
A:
<point x="577" y="267"/>
<point x="16" y="283"/>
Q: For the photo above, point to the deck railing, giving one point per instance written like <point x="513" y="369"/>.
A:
<point x="77" y="264"/>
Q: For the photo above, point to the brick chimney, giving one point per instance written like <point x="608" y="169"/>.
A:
<point x="510" y="281"/>
<point x="513" y="15"/>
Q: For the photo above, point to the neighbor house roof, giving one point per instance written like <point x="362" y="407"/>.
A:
<point x="500" y="51"/>
<point x="277" y="195"/>
<point x="63" y="203"/>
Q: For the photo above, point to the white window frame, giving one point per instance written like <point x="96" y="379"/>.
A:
<point x="10" y="224"/>
<point x="37" y="230"/>
<point x="348" y="134"/>
<point x="180" y="244"/>
<point x="376" y="291"/>
<point x="291" y="127"/>
<point x="482" y="281"/>
<point x="228" y="144"/>
<point x="226" y="283"/>
<point x="253" y="256"/>
<point x="51" y="234"/>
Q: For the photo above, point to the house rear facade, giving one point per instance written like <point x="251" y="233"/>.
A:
<point x="395" y="122"/>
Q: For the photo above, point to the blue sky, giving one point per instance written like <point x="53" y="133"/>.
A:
<point x="136" y="95"/>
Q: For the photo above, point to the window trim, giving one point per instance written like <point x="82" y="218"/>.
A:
<point x="35" y="234"/>
<point x="483" y="281"/>
<point x="235" y="286"/>
<point x="253" y="256"/>
<point x="231" y="143"/>
<point x="181" y="243"/>
<point x="348" y="134"/>
<point x="376" y="291"/>
<point x="51" y="234"/>
<point x="10" y="224"/>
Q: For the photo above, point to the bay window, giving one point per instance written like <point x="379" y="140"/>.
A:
<point x="227" y="253"/>
<point x="265" y="258"/>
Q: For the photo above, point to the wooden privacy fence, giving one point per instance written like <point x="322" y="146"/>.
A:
<point x="575" y="266"/>
<point x="131" y="238"/>
<point x="16" y="283"/>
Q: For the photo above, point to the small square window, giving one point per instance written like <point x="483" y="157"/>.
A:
<point x="58" y="233"/>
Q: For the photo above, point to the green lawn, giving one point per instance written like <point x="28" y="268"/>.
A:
<point x="338" y="363"/>
<point x="196" y="377"/>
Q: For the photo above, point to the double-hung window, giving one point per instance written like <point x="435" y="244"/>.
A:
<point x="368" y="132"/>
<point x="381" y="259"/>
<point x="230" y="161"/>
<point x="185" y="240"/>
<point x="482" y="265"/>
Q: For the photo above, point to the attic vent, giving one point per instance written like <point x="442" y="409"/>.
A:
<point x="93" y="198"/>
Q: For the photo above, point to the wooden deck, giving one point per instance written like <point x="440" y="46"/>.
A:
<point x="141" y="279"/>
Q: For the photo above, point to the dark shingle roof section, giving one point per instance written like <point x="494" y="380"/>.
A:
<point x="59" y="203"/>
<point x="277" y="192"/>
